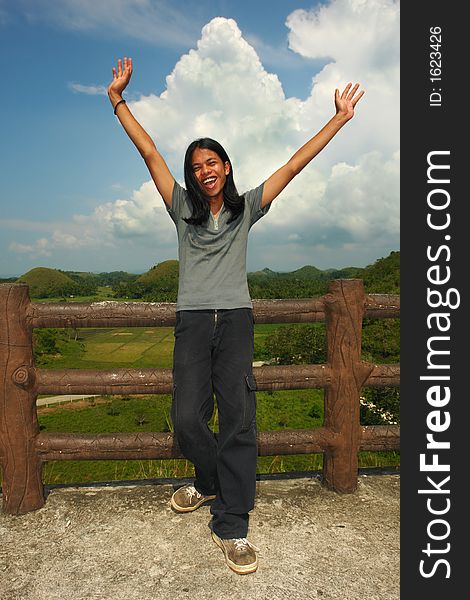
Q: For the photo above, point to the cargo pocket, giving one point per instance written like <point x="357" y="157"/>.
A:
<point x="178" y="322"/>
<point x="249" y="404"/>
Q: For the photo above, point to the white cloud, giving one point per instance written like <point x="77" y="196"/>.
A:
<point x="354" y="33"/>
<point x="362" y="39"/>
<point x="277" y="56"/>
<point x="144" y="215"/>
<point x="156" y="21"/>
<point x="347" y="198"/>
<point x="91" y="90"/>
<point x="40" y="247"/>
<point x="362" y="199"/>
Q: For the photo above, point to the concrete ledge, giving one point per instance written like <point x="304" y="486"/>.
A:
<point x="125" y="542"/>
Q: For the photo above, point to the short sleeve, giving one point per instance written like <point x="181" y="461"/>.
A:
<point x="179" y="201"/>
<point x="253" y="203"/>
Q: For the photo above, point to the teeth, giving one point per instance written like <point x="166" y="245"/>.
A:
<point x="209" y="180"/>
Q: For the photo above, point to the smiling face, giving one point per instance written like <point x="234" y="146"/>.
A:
<point x="210" y="172"/>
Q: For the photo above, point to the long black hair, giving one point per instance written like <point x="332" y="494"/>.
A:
<point x="199" y="203"/>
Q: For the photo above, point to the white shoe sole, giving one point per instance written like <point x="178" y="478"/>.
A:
<point x="240" y="569"/>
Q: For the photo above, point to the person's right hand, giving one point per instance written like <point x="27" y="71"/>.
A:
<point x="121" y="77"/>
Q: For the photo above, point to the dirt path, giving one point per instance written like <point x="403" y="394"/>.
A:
<point x="66" y="398"/>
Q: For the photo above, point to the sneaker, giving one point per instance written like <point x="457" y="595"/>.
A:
<point x="240" y="554"/>
<point x="187" y="498"/>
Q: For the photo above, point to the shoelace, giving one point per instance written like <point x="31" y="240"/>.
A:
<point x="241" y="543"/>
<point x="192" y="491"/>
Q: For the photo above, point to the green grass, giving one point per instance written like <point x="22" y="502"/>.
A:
<point x="299" y="409"/>
<point x="102" y="293"/>
<point x="152" y="347"/>
<point x="140" y="347"/>
<point x="134" y="347"/>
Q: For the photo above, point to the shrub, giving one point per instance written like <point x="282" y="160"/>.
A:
<point x="140" y="419"/>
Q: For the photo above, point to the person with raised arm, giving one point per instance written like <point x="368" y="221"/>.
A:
<point x="213" y="351"/>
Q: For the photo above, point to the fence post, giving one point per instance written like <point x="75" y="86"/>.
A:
<point x="344" y="308"/>
<point x="22" y="469"/>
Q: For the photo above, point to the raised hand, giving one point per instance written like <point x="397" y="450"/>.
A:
<point x="347" y="101"/>
<point x="121" y="76"/>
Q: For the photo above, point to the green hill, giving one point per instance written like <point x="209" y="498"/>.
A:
<point x="88" y="278"/>
<point x="345" y="273"/>
<point x="164" y="271"/>
<point x="158" y="284"/>
<point x="116" y="277"/>
<point x="306" y="272"/>
<point x="383" y="276"/>
<point x="81" y="275"/>
<point x="48" y="283"/>
<point x="264" y="273"/>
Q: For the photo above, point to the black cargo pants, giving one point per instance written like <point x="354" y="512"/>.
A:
<point x="214" y="355"/>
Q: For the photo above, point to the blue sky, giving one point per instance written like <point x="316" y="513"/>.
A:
<point x="260" y="75"/>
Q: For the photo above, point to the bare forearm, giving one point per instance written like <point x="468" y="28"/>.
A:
<point x="143" y="142"/>
<point x="141" y="139"/>
<point x="344" y="105"/>
<point x="278" y="180"/>
<point x="316" y="144"/>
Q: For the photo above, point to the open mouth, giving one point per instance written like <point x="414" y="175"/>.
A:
<point x="209" y="183"/>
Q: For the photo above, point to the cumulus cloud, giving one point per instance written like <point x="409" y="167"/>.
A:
<point x="362" y="39"/>
<point x="354" y="33"/>
<point x="346" y="198"/>
<point x="141" y="216"/>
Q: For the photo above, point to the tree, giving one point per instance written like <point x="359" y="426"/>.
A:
<point x="297" y="344"/>
<point x="45" y="342"/>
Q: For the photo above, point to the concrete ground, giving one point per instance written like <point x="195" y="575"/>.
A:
<point x="125" y="542"/>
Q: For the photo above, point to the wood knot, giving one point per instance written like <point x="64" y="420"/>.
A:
<point x="23" y="377"/>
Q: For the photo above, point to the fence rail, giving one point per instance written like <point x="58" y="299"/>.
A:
<point x="24" y="449"/>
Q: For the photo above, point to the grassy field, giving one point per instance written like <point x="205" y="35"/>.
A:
<point x="300" y="409"/>
<point x="102" y="293"/>
<point x="136" y="347"/>
<point x="152" y="347"/>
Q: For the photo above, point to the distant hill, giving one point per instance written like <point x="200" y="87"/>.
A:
<point x="307" y="272"/>
<point x="164" y="271"/>
<point x="80" y="275"/>
<point x="100" y="279"/>
<point x="264" y="273"/>
<point x="383" y="276"/>
<point x="345" y="273"/>
<point x="160" y="283"/>
<point x="47" y="283"/>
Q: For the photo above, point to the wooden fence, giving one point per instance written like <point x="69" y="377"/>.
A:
<point x="24" y="449"/>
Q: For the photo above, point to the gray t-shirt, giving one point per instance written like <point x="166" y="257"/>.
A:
<point x="212" y="257"/>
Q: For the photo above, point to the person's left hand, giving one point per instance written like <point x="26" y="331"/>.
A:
<point x="121" y="76"/>
<point x="347" y="101"/>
